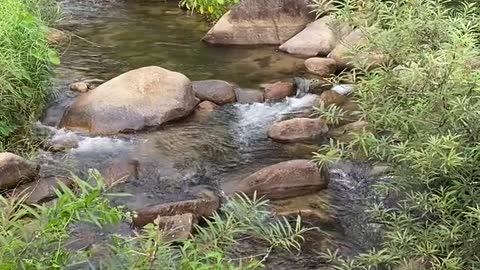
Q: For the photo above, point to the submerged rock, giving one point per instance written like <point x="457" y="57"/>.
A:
<point x="145" y="97"/>
<point x="204" y="207"/>
<point x="219" y="92"/>
<point x="324" y="67"/>
<point x="81" y="87"/>
<point x="283" y="180"/>
<point x="42" y="190"/>
<point x="15" y="170"/>
<point x="318" y="38"/>
<point x="248" y="96"/>
<point x="298" y="130"/>
<point x="121" y="171"/>
<point x="254" y="22"/>
<point x="278" y="91"/>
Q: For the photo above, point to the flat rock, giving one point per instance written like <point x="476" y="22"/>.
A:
<point x="318" y="38"/>
<point x="280" y="181"/>
<point x="219" y="92"/>
<point x="141" y="98"/>
<point x="15" y="170"/>
<point x="298" y="130"/>
<point x="253" y="22"/>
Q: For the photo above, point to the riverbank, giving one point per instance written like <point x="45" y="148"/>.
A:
<point x="26" y="62"/>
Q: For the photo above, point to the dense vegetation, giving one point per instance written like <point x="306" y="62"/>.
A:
<point x="45" y="242"/>
<point x="422" y="109"/>
<point x="211" y="9"/>
<point x="25" y="68"/>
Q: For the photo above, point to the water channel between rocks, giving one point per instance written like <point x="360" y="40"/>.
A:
<point x="204" y="149"/>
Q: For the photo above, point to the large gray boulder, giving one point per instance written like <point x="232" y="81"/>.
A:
<point x="318" y="38"/>
<point x="145" y="97"/>
<point x="254" y="22"/>
<point x="283" y="180"/>
<point x="15" y="170"/>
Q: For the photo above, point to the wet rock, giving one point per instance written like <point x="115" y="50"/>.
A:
<point x="330" y="97"/>
<point x="204" y="207"/>
<point x="145" y="97"/>
<point x="310" y="86"/>
<point x="324" y="67"/>
<point x="342" y="55"/>
<point x="278" y="91"/>
<point x="176" y="228"/>
<point x="207" y="106"/>
<point x="298" y="130"/>
<point x="318" y="38"/>
<point x="15" y="170"/>
<point x="280" y="181"/>
<point x="121" y="171"/>
<point x="219" y="92"/>
<point x="57" y="37"/>
<point x="351" y="111"/>
<point x="254" y="22"/>
<point x="248" y="96"/>
<point x="81" y="87"/>
<point x="42" y="190"/>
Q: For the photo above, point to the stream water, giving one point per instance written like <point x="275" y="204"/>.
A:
<point x="204" y="149"/>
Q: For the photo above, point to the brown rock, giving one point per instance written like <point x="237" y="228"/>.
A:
<point x="219" y="92"/>
<point x="248" y="96"/>
<point x="204" y="207"/>
<point x="254" y="22"/>
<point x="344" y="132"/>
<point x="42" y="190"/>
<point x="81" y="87"/>
<point x="278" y="91"/>
<point x="176" y="228"/>
<point x="282" y="180"/>
<point x="298" y="130"/>
<point x="15" y="170"/>
<point x="145" y="97"/>
<point x="57" y="37"/>
<point x="342" y="55"/>
<point x="207" y="106"/>
<point x="324" y="67"/>
<point x="318" y="38"/>
<point x="330" y="97"/>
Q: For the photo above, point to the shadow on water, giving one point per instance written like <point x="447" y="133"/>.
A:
<point x="206" y="148"/>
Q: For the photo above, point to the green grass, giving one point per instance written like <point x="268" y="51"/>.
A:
<point x="211" y="9"/>
<point x="25" y="69"/>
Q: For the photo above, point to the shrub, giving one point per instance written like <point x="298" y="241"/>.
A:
<point x="25" y="70"/>
<point x="422" y="108"/>
<point x="40" y="242"/>
<point x="212" y="9"/>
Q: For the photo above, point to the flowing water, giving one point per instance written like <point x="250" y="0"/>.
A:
<point x="206" y="149"/>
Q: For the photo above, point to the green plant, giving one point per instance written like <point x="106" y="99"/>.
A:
<point x="25" y="71"/>
<point x="322" y="7"/>
<point x="423" y="109"/>
<point x="212" y="9"/>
